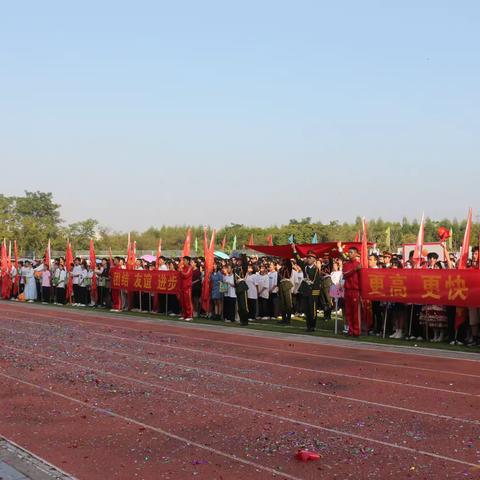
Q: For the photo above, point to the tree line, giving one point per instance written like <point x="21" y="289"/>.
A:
<point x="34" y="218"/>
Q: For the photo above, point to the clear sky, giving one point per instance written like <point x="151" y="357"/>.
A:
<point x="209" y="112"/>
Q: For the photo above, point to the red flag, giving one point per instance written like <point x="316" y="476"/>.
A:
<point x="17" y="276"/>
<point x="250" y="240"/>
<point x="68" y="268"/>
<point x="357" y="236"/>
<point x="462" y="263"/>
<point x="4" y="258"/>
<point x="209" y="263"/>
<point x="270" y="241"/>
<point x="93" y="265"/>
<point x="6" y="279"/>
<point x="186" y="245"/>
<point x="48" y="255"/>
<point x="9" y="256"/>
<point x="478" y="258"/>
<point x="205" y="245"/>
<point x="159" y="254"/>
<point x="224" y="242"/>
<point x="364" y="252"/>
<point x="112" y="263"/>
<point x="417" y="254"/>
<point x="131" y="253"/>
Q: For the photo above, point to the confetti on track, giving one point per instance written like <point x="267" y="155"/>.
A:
<point x="105" y="396"/>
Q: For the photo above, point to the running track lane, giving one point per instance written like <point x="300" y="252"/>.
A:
<point x="55" y="338"/>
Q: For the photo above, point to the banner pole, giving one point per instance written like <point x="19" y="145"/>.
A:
<point x="410" y="325"/>
<point x="385" y="320"/>
<point x="336" y="316"/>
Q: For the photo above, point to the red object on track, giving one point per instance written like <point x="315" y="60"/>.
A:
<point x="306" y="456"/>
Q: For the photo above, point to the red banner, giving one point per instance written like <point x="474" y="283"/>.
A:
<point x="418" y="286"/>
<point x="155" y="281"/>
<point x="285" y="251"/>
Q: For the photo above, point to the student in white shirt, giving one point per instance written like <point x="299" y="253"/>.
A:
<point x="83" y="284"/>
<point x="46" y="285"/>
<point x="263" y="293"/>
<point x="252" y="294"/>
<point x="75" y="273"/>
<point x="273" y="303"/>
<point x="230" y="297"/>
<point x="297" y="275"/>
<point x="59" y="280"/>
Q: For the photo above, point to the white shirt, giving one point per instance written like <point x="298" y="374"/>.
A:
<point x="297" y="280"/>
<point x="336" y="277"/>
<point x="76" y="272"/>
<point x="273" y="282"/>
<point x="61" y="277"/>
<point x="263" y="286"/>
<point x="228" y="279"/>
<point x="252" y="282"/>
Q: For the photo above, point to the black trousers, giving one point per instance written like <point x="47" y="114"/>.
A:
<point x="82" y="295"/>
<point x="229" y="304"/>
<point x="273" y="305"/>
<point x="76" y="293"/>
<point x="263" y="307"/>
<point x="252" y="308"/>
<point x="60" y="295"/>
<point x="46" y="294"/>
<point x="310" y="303"/>
<point x="377" y="313"/>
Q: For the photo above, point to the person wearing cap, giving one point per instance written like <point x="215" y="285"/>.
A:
<point x="185" y="288"/>
<point x="351" y="277"/>
<point x="310" y="286"/>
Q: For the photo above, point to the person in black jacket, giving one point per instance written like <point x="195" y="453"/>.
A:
<point x="241" y="288"/>
<point x="310" y="286"/>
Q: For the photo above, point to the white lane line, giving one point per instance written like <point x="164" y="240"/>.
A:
<point x="261" y="382"/>
<point x="264" y="362"/>
<point x="314" y="355"/>
<point x="155" y="429"/>
<point x="251" y="410"/>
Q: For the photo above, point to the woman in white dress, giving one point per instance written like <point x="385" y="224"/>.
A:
<point x="28" y="274"/>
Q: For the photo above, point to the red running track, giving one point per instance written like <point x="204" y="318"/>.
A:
<point x="105" y="396"/>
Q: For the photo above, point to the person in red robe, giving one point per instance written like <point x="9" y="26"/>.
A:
<point x="351" y="276"/>
<point x="185" y="288"/>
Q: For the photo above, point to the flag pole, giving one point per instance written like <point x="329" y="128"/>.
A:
<point x="385" y="320"/>
<point x="410" y="324"/>
<point x="336" y="316"/>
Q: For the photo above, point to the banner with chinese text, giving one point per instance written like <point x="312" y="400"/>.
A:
<point x="156" y="281"/>
<point x="434" y="287"/>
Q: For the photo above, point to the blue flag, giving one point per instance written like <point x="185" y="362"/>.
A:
<point x="291" y="238"/>
<point x="314" y="238"/>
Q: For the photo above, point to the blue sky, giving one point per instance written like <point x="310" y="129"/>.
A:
<point x="150" y="112"/>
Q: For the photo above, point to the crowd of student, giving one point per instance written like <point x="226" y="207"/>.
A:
<point x="248" y="289"/>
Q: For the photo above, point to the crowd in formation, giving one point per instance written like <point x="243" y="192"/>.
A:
<point x="248" y="289"/>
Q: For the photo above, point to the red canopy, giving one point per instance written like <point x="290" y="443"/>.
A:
<point x="285" y="251"/>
